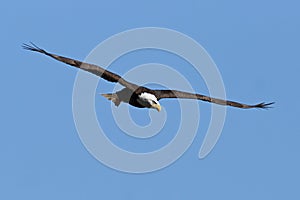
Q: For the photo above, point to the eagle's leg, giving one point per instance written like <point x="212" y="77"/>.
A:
<point x="113" y="97"/>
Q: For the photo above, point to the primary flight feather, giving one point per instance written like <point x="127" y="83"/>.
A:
<point x="135" y="95"/>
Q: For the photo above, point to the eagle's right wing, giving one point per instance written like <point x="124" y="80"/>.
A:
<point x="94" y="69"/>
<point x="161" y="94"/>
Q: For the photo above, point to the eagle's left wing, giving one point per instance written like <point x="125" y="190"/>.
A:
<point x="160" y="94"/>
<point x="94" y="69"/>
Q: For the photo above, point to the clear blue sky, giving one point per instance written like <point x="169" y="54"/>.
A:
<point x="256" y="48"/>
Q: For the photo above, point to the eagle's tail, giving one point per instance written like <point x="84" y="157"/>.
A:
<point x="113" y="97"/>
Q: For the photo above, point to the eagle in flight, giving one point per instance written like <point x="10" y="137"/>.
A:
<point x="135" y="95"/>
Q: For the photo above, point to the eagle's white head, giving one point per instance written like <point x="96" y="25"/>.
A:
<point x="149" y="100"/>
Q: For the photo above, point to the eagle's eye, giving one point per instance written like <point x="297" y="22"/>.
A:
<point x="153" y="102"/>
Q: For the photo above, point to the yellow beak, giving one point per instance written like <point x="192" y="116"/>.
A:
<point x="157" y="107"/>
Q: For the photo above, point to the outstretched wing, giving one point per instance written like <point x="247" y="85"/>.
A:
<point x="160" y="94"/>
<point x="94" y="69"/>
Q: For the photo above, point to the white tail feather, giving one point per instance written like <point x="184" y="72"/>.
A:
<point x="112" y="97"/>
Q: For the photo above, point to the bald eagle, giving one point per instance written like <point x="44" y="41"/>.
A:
<point x="135" y="95"/>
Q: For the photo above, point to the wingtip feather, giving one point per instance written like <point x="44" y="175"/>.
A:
<point x="264" y="105"/>
<point x="32" y="47"/>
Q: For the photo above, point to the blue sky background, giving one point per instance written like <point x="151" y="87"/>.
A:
<point x="256" y="48"/>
